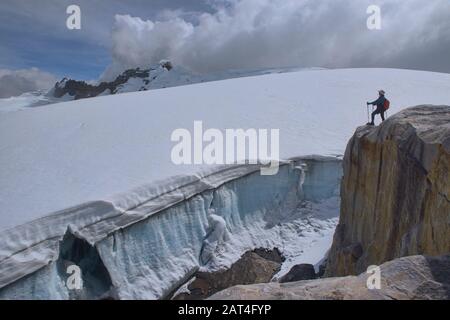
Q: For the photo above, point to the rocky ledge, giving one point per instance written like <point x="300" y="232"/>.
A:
<point x="414" y="277"/>
<point x="395" y="192"/>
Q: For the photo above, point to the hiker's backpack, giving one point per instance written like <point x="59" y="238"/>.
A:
<point x="387" y="104"/>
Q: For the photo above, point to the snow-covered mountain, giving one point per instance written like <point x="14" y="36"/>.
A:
<point x="99" y="170"/>
<point x="162" y="75"/>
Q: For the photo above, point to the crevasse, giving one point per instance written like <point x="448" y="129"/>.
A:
<point x="151" y="256"/>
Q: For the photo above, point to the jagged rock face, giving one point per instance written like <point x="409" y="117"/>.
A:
<point x="81" y="89"/>
<point x="414" y="277"/>
<point x="395" y="193"/>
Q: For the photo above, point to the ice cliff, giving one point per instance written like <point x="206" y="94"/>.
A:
<point x="150" y="248"/>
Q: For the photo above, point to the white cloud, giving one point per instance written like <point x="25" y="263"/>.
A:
<point x="273" y="33"/>
<point x="141" y="43"/>
<point x="16" y="82"/>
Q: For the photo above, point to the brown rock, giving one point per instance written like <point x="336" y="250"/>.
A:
<point x="395" y="193"/>
<point x="299" y="272"/>
<point x="415" y="277"/>
<point x="249" y="269"/>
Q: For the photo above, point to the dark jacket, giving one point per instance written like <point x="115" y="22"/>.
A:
<point x="379" y="103"/>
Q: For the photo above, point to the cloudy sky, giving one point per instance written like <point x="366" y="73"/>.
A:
<point x="215" y="35"/>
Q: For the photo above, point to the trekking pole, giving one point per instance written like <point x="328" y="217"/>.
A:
<point x="368" y="120"/>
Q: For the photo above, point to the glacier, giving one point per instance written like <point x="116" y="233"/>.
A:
<point x="62" y="155"/>
<point x="151" y="249"/>
<point x="91" y="182"/>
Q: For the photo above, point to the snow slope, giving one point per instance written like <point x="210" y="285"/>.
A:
<point x="27" y="100"/>
<point x="161" y="78"/>
<point x="109" y="159"/>
<point x="65" y="154"/>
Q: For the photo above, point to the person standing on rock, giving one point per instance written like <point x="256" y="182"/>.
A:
<point x="382" y="105"/>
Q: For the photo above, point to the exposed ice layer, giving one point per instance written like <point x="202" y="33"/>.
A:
<point x="216" y="234"/>
<point x="320" y="174"/>
<point x="31" y="246"/>
<point x="153" y="256"/>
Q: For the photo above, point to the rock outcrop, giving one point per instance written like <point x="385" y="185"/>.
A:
<point x="414" y="277"/>
<point x="395" y="193"/>
<point x="299" y="272"/>
<point x="257" y="266"/>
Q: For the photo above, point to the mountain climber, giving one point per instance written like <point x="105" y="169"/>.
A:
<point x="382" y="105"/>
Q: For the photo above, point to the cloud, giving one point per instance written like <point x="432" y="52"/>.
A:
<point x="16" y="82"/>
<point x="136" y="42"/>
<point x="275" y="33"/>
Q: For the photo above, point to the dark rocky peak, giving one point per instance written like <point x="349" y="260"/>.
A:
<point x="81" y="89"/>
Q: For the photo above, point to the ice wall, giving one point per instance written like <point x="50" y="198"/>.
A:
<point x="152" y="257"/>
